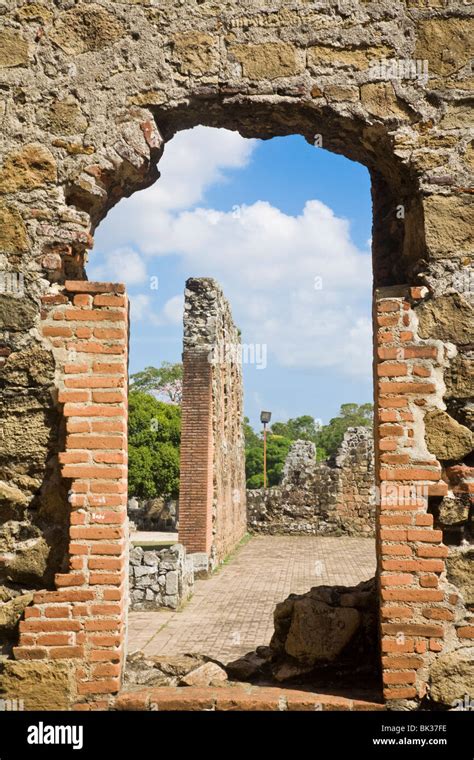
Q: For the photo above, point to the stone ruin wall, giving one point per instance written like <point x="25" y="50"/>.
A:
<point x="322" y="498"/>
<point x="212" y="517"/>
<point x="159" y="514"/>
<point x="427" y="645"/>
<point x="91" y="92"/>
<point x="80" y="620"/>
<point x="160" y="577"/>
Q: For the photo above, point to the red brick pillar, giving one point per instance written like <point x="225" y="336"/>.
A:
<point x="414" y="606"/>
<point x="84" y="619"/>
<point x="196" y="467"/>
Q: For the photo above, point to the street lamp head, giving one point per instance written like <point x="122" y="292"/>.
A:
<point x="265" y="417"/>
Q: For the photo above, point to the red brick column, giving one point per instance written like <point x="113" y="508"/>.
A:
<point x="414" y="606"/>
<point x="196" y="467"/>
<point x="85" y="618"/>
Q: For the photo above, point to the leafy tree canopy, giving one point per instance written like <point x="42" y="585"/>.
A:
<point x="350" y="415"/>
<point x="165" y="382"/>
<point x="327" y="439"/>
<point x="153" y="438"/>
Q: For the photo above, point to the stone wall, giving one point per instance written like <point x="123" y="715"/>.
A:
<point x="327" y="498"/>
<point x="84" y="618"/>
<point x="160" y="578"/>
<point x="212" y="515"/>
<point x="157" y="514"/>
<point x="427" y="627"/>
<point x="92" y="91"/>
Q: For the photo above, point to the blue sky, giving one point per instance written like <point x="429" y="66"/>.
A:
<point x="284" y="227"/>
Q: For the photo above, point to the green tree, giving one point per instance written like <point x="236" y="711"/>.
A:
<point x="300" y="428"/>
<point x="351" y="415"/>
<point x="252" y="439"/>
<point x="165" y="382"/>
<point x="327" y="439"/>
<point x="153" y="438"/>
<point x="277" y="449"/>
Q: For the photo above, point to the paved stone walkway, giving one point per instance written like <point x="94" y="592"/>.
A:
<point x="231" y="613"/>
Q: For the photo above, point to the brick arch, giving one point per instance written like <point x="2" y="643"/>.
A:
<point x="123" y="88"/>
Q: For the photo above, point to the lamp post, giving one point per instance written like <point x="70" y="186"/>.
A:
<point x="265" y="417"/>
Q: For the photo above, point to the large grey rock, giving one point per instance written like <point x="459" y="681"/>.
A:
<point x="247" y="667"/>
<point x="172" y="583"/>
<point x="151" y="558"/>
<point x="200" y="562"/>
<point x="319" y="632"/>
<point x="136" y="555"/>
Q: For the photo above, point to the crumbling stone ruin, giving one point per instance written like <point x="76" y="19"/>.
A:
<point x="91" y="94"/>
<point x="324" y="498"/>
<point x="212" y="504"/>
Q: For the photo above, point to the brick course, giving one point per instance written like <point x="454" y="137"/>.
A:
<point x="411" y="559"/>
<point x="63" y="624"/>
<point x="212" y="503"/>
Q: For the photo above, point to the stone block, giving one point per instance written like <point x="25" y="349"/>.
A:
<point x="41" y="684"/>
<point x="452" y="676"/>
<point x="446" y="438"/>
<point x="267" y="60"/>
<point x="172" y="583"/>
<point x="13" y="49"/>
<point x="196" y="53"/>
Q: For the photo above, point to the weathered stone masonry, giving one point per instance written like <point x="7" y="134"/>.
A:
<point x="91" y="91"/>
<point x="324" y="498"/>
<point x="422" y="614"/>
<point x="160" y="578"/>
<point x="212" y="506"/>
<point x="84" y="619"/>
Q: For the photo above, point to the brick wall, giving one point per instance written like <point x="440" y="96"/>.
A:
<point x="84" y="619"/>
<point x="196" y="453"/>
<point x="212" y="506"/>
<point x="421" y="613"/>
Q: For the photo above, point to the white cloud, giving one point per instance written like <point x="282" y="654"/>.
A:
<point x="192" y="161"/>
<point x="173" y="310"/>
<point x="119" y="265"/>
<point x="140" y="307"/>
<point x="297" y="283"/>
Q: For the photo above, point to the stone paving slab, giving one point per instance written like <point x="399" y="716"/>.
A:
<point x="153" y="537"/>
<point x="231" y="613"/>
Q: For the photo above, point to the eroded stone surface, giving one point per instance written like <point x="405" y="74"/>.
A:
<point x="117" y="69"/>
<point x="323" y="498"/>
<point x="326" y="626"/>
<point x="13" y="49"/>
<point x="26" y="169"/>
<point x="445" y="437"/>
<point x="41" y="685"/>
<point x="448" y="318"/>
<point x="459" y="565"/>
<point x="319" y="632"/>
<point x="452" y="676"/>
